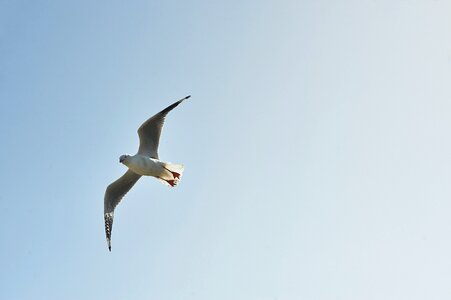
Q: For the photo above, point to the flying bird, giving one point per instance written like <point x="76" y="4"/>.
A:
<point x="143" y="163"/>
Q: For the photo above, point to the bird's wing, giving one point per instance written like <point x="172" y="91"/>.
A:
<point x="113" y="195"/>
<point x="150" y="131"/>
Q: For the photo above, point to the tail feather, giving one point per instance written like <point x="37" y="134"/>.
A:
<point x="178" y="168"/>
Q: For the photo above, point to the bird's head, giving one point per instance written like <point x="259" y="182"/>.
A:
<point x="122" y="158"/>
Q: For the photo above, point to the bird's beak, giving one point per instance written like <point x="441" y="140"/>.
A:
<point x="121" y="160"/>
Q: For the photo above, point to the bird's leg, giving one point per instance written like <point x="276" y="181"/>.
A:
<point x="171" y="182"/>
<point x="174" y="174"/>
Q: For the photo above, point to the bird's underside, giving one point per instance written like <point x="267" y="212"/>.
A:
<point x="144" y="163"/>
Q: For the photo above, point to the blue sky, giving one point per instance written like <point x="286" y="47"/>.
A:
<point x="316" y="146"/>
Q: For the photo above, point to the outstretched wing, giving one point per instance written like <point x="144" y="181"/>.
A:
<point x="113" y="195"/>
<point x="150" y="131"/>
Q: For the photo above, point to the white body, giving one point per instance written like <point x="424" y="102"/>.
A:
<point x="146" y="166"/>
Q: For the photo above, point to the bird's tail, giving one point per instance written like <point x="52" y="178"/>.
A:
<point x="176" y="170"/>
<point x="108" y="227"/>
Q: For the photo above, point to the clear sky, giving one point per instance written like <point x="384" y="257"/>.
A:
<point x="316" y="145"/>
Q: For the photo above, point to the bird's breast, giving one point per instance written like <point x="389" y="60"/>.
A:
<point x="144" y="165"/>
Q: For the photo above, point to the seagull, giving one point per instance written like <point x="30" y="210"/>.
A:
<point x="143" y="163"/>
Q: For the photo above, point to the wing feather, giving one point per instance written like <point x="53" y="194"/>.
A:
<point x="113" y="195"/>
<point x="149" y="132"/>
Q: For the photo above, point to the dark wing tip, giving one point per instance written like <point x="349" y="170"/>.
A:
<point x="170" y="107"/>
<point x="108" y="227"/>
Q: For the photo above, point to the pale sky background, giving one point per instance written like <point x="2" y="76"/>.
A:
<point x="316" y="145"/>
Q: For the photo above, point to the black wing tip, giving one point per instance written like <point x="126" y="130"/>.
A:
<point x="108" y="226"/>
<point x="171" y="107"/>
<point x="181" y="100"/>
<point x="108" y="239"/>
